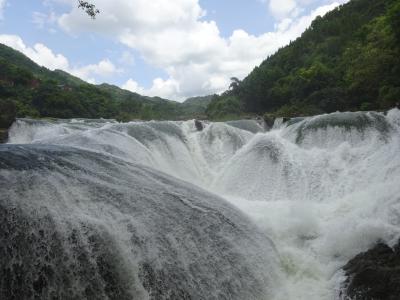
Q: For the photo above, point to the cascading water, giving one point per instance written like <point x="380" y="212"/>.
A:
<point x="322" y="189"/>
<point x="82" y="225"/>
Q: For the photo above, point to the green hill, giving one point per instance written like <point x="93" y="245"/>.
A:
<point x="197" y="105"/>
<point x="347" y="60"/>
<point x="19" y="60"/>
<point x="26" y="89"/>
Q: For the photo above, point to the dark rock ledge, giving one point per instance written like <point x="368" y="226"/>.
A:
<point x="373" y="275"/>
<point x="3" y="135"/>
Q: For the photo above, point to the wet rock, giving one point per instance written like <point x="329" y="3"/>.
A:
<point x="7" y="113"/>
<point x="3" y="136"/>
<point x="199" y="125"/>
<point x="374" y="275"/>
<point x="269" y="120"/>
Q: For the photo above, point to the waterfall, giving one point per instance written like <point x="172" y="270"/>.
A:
<point x="82" y="225"/>
<point x="229" y="212"/>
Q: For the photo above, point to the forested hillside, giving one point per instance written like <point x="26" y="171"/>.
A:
<point x="27" y="89"/>
<point x="347" y="60"/>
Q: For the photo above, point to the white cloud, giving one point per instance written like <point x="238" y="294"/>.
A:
<point x="281" y="9"/>
<point x="133" y="86"/>
<point x="39" y="53"/>
<point x="104" y="68"/>
<point x="44" y="56"/>
<point x="166" y="88"/>
<point x="173" y="36"/>
<point x="163" y="88"/>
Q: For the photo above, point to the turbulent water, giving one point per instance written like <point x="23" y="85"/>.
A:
<point x="160" y="210"/>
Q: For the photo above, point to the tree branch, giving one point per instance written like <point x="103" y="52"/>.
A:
<point x="89" y="8"/>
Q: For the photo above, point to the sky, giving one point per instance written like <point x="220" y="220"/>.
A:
<point x="174" y="49"/>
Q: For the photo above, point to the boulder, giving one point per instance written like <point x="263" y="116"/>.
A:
<point x="7" y="113"/>
<point x="374" y="275"/>
<point x="3" y="136"/>
<point x="199" y="125"/>
<point x="269" y="120"/>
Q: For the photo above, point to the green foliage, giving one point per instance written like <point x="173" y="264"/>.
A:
<point x="195" y="107"/>
<point x="224" y="107"/>
<point x="7" y="116"/>
<point x="37" y="92"/>
<point x="347" y="60"/>
<point x="394" y="19"/>
<point x="295" y="110"/>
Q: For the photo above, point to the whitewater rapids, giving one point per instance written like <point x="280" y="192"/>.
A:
<point x="323" y="189"/>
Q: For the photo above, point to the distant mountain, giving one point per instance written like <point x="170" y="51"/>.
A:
<point x="347" y="60"/>
<point x="26" y="89"/>
<point x="121" y="94"/>
<point x="197" y="106"/>
<point x="199" y="101"/>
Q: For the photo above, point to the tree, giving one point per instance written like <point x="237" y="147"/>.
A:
<point x="394" y="19"/>
<point x="235" y="84"/>
<point x="347" y="60"/>
<point x="89" y="8"/>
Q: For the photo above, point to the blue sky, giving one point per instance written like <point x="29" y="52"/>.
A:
<point x="170" y="48"/>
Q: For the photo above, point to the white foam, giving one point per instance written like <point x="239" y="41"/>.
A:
<point x="324" y="188"/>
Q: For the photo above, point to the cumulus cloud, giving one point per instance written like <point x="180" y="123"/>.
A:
<point x="44" y="56"/>
<point x="280" y="9"/>
<point x="163" y="88"/>
<point x="39" y="53"/>
<point x="173" y="36"/>
<point x="104" y="68"/>
<point x="133" y="86"/>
